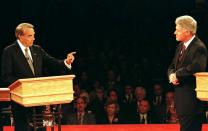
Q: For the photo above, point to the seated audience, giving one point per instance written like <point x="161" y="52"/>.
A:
<point x="80" y="116"/>
<point x="144" y="114"/>
<point x="112" y="113"/>
<point x="97" y="104"/>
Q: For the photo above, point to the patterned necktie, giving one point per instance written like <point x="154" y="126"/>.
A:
<point x="29" y="60"/>
<point x="181" y="53"/>
<point x="183" y="48"/>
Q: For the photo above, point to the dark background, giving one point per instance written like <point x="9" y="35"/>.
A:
<point x="137" y="30"/>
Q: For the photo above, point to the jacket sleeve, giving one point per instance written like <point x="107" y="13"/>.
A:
<point x="197" y="64"/>
<point x="54" y="65"/>
<point x="7" y="68"/>
<point x="171" y="68"/>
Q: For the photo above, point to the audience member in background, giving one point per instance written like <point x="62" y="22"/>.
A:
<point x="140" y="94"/>
<point x="84" y="81"/>
<point x="128" y="96"/>
<point x="69" y="107"/>
<point x="112" y="113"/>
<point x="158" y="96"/>
<point x="112" y="82"/>
<point x="80" y="116"/>
<point x="85" y="95"/>
<point x="6" y="117"/>
<point x="144" y="114"/>
<point x="168" y="113"/>
<point x="97" y="104"/>
<point x="113" y="95"/>
<point x="128" y="103"/>
<point x="76" y="89"/>
<point x="158" y="100"/>
<point x="95" y="85"/>
<point x="172" y="116"/>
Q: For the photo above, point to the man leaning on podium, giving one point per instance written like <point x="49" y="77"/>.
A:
<point x="21" y="60"/>
<point x="190" y="58"/>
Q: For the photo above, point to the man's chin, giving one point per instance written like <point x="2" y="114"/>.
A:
<point x="30" y="45"/>
<point x="178" y="39"/>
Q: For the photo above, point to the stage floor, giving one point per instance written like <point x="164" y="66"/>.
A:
<point x="128" y="127"/>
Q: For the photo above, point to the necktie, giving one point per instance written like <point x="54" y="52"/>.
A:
<point x="158" y="100"/>
<point x="143" y="120"/>
<point x="183" y="48"/>
<point x="29" y="60"/>
<point x="79" y="118"/>
<point x="181" y="53"/>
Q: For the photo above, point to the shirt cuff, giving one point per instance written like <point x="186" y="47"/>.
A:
<point x="67" y="65"/>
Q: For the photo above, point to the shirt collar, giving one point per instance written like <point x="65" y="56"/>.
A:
<point x="81" y="113"/>
<point x="189" y="41"/>
<point x="21" y="45"/>
<point x="143" y="115"/>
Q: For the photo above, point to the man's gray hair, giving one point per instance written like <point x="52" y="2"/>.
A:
<point x="20" y="28"/>
<point x="187" y="22"/>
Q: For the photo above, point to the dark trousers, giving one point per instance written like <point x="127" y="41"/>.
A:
<point x="22" y="116"/>
<point x="191" y="122"/>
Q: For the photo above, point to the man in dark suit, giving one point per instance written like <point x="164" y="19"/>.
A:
<point x="144" y="114"/>
<point x="22" y="59"/>
<point x="80" y="116"/>
<point x="190" y="57"/>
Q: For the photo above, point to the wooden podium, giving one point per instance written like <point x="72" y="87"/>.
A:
<point x="202" y="85"/>
<point x="42" y="90"/>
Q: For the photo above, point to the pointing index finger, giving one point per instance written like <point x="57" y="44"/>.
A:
<point x="72" y="53"/>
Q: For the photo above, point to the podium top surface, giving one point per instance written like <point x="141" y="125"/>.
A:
<point x="201" y="74"/>
<point x="18" y="82"/>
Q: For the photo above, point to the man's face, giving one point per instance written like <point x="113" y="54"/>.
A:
<point x="113" y="96"/>
<point x="111" y="109"/>
<point x="144" y="107"/>
<point x="28" y="37"/>
<point x="169" y="98"/>
<point x="157" y="89"/>
<point x="181" y="33"/>
<point x="99" y="93"/>
<point x="80" y="105"/>
<point x="140" y="94"/>
<point x="128" y="90"/>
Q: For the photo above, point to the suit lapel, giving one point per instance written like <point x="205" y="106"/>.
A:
<point x="178" y="53"/>
<point x="186" y="52"/>
<point x="22" y="58"/>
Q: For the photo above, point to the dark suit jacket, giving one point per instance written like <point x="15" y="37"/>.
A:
<point x="14" y="64"/>
<point x="88" y="119"/>
<point x="151" y="119"/>
<point x="116" y="120"/>
<point x="194" y="60"/>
